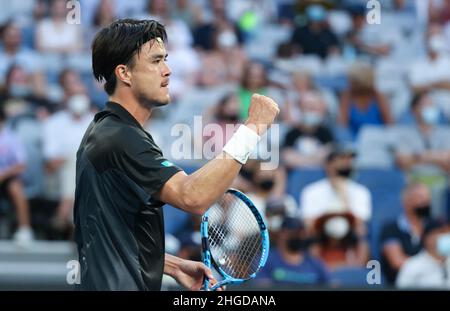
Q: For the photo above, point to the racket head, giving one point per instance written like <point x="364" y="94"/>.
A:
<point x="235" y="239"/>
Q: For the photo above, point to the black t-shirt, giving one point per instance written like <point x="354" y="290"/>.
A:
<point x="321" y="134"/>
<point x="119" y="228"/>
<point x="397" y="232"/>
<point x="317" y="43"/>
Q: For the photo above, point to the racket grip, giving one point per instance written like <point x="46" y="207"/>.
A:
<point x="206" y="257"/>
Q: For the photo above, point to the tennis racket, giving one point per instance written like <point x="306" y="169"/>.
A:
<point x="235" y="240"/>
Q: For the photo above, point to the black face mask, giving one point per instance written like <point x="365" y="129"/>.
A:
<point x="230" y="118"/>
<point x="295" y="245"/>
<point x="266" y="184"/>
<point x="423" y="211"/>
<point x="344" y="172"/>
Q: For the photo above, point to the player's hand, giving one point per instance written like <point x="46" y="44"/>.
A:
<point x="190" y="275"/>
<point x="262" y="113"/>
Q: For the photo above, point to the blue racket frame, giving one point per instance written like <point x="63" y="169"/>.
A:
<point x="206" y="253"/>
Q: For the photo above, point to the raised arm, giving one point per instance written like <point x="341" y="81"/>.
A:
<point x="195" y="193"/>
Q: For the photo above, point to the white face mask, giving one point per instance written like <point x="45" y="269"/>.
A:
<point x="312" y="119"/>
<point x="274" y="222"/>
<point x="430" y="115"/>
<point x="443" y="245"/>
<point x="438" y="44"/>
<point x="337" y="227"/>
<point x="227" y="39"/>
<point x="78" y="104"/>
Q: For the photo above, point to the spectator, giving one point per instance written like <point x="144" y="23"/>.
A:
<point x="22" y="92"/>
<point x="104" y="14"/>
<point x="309" y="141"/>
<point x="362" y="104"/>
<point x="423" y="150"/>
<point x="401" y="239"/>
<point x="429" y="74"/>
<point x="12" y="164"/>
<point x="55" y="35"/>
<point x="187" y="11"/>
<point x="219" y="44"/>
<point x="267" y="185"/>
<point x="220" y="123"/>
<point x="290" y="263"/>
<point x="316" y="37"/>
<point x="206" y="36"/>
<point x="71" y="84"/>
<point x="337" y="192"/>
<point x="363" y="40"/>
<point x="430" y="268"/>
<point x="62" y="134"/>
<point x="338" y="242"/>
<point x="13" y="51"/>
<point x="254" y="80"/>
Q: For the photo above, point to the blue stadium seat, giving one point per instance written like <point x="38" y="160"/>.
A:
<point x="300" y="178"/>
<point x="351" y="277"/>
<point x="385" y="186"/>
<point x="174" y="218"/>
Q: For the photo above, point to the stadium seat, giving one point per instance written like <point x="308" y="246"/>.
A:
<point x="385" y="186"/>
<point x="352" y="277"/>
<point x="373" y="148"/>
<point x="174" y="218"/>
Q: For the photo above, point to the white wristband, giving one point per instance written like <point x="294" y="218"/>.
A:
<point x="242" y="144"/>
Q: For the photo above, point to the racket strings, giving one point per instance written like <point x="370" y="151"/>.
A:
<point x="235" y="239"/>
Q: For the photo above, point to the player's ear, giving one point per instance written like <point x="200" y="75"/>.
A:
<point x="123" y="74"/>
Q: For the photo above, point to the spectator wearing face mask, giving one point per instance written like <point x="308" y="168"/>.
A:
<point x="423" y="149"/>
<point x="62" y="134"/>
<point x="429" y="74"/>
<point x="338" y="193"/>
<point x="338" y="244"/>
<point x="429" y="269"/>
<point x="266" y="186"/>
<point x="219" y="43"/>
<point x="290" y="263"/>
<point x="401" y="238"/>
<point x="316" y="37"/>
<point x="309" y="141"/>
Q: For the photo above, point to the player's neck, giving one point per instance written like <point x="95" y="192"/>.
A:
<point x="138" y="111"/>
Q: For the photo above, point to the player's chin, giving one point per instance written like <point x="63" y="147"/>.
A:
<point x="162" y="101"/>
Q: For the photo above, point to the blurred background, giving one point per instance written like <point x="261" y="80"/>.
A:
<point x="360" y="198"/>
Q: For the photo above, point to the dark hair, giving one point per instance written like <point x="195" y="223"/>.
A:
<point x="117" y="44"/>
<point x="417" y="98"/>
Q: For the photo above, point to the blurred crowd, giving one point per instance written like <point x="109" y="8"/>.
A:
<point x="364" y="133"/>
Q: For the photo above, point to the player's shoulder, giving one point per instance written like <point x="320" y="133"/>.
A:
<point x="112" y="130"/>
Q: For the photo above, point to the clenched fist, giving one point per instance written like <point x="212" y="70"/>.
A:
<point x="261" y="114"/>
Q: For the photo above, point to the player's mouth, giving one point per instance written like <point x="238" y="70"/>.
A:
<point x="165" y="83"/>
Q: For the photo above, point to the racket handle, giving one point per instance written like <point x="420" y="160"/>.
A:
<point x="205" y="286"/>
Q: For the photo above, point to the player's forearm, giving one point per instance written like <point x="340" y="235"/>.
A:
<point x="171" y="264"/>
<point x="207" y="185"/>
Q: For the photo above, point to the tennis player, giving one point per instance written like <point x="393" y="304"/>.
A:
<point x="123" y="179"/>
